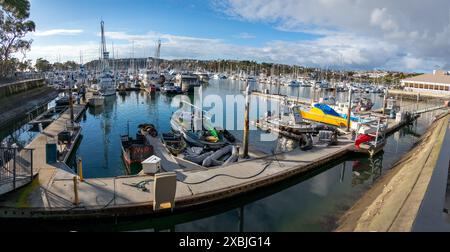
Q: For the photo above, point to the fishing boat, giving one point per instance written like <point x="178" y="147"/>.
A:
<point x="96" y="101"/>
<point x="370" y="139"/>
<point x="134" y="152"/>
<point x="187" y="82"/>
<point x="174" y="143"/>
<point x="362" y="104"/>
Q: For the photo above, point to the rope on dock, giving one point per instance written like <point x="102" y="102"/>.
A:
<point x="140" y="185"/>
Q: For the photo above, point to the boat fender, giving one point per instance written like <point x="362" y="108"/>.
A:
<point x="212" y="160"/>
<point x="234" y="156"/>
<point x="198" y="159"/>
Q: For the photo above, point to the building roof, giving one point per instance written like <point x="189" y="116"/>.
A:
<point x="438" y="77"/>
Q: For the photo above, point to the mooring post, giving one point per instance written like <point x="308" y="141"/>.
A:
<point x="72" y="117"/>
<point x="76" y="200"/>
<point x="247" y="122"/>
<point x="80" y="169"/>
<point x="349" y="113"/>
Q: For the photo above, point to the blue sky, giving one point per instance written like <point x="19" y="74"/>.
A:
<point x="281" y="31"/>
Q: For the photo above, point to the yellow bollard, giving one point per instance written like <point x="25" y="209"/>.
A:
<point x="80" y="169"/>
<point x="76" y="200"/>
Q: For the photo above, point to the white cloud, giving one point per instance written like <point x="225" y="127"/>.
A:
<point x="420" y="29"/>
<point x="338" y="50"/>
<point x="401" y="35"/>
<point x="58" y="32"/>
<point x="245" y="35"/>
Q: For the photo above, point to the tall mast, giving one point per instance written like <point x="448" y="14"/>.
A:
<point x="104" y="52"/>
<point x="158" y="55"/>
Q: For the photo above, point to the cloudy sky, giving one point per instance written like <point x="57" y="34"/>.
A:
<point x="406" y="35"/>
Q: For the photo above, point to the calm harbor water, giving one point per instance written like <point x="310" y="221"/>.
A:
<point x="312" y="202"/>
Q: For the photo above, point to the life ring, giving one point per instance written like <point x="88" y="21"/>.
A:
<point x="147" y="149"/>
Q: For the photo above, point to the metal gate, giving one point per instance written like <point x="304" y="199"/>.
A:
<point x="15" y="164"/>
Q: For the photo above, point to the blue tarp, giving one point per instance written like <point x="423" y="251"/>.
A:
<point x="327" y="109"/>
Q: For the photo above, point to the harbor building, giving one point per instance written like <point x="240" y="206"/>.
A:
<point x="437" y="82"/>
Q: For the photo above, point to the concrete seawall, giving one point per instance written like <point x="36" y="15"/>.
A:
<point x="18" y="99"/>
<point x="397" y="202"/>
<point x="8" y="90"/>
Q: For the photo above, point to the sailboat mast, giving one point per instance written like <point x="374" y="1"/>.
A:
<point x="104" y="52"/>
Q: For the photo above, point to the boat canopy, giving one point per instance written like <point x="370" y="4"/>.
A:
<point x="327" y="109"/>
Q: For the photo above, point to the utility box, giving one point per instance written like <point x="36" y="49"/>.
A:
<point x="164" y="191"/>
<point x="152" y="165"/>
<point x="51" y="153"/>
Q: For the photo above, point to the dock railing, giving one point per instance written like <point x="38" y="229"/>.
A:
<point x="15" y="165"/>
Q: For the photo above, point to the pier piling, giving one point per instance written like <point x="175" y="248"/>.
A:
<point x="76" y="200"/>
<point x="247" y="122"/>
<point x="80" y="169"/>
<point x="349" y="114"/>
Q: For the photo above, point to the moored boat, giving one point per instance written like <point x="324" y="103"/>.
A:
<point x="174" y="143"/>
<point x="134" y="152"/>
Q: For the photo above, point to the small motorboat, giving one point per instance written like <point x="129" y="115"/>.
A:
<point x="65" y="101"/>
<point x="96" y="101"/>
<point x="174" y="143"/>
<point x="370" y="139"/>
<point x="134" y="152"/>
<point x="170" y="88"/>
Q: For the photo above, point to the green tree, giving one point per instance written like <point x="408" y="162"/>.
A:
<point x="18" y="8"/>
<point x="71" y="65"/>
<point x="25" y="66"/>
<point x="42" y="65"/>
<point x="14" y="25"/>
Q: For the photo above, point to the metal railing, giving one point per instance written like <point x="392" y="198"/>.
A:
<point x="15" y="164"/>
<point x="4" y="81"/>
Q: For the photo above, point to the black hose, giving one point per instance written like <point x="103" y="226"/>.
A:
<point x="229" y="176"/>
